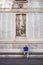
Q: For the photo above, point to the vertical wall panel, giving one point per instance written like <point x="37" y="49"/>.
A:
<point x="0" y="25"/>
<point x="34" y="26"/>
<point x="3" y="26"/>
<point x="7" y="26"/>
<point x="29" y="25"/>
<point x="41" y="25"/>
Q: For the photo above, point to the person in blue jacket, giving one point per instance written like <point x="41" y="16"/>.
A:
<point x="26" y="51"/>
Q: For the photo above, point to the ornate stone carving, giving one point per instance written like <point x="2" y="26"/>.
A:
<point x="21" y="25"/>
<point x="19" y="3"/>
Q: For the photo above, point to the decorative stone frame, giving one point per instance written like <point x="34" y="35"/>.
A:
<point x="22" y="22"/>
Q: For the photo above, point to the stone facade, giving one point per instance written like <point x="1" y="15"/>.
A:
<point x="29" y="15"/>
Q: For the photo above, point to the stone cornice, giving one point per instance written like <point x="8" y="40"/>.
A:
<point x="24" y="10"/>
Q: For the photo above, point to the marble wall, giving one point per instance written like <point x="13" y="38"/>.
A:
<point x="35" y="26"/>
<point x="7" y="26"/>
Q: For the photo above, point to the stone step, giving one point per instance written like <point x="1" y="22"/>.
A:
<point x="20" y="45"/>
<point x="20" y="56"/>
<point x="13" y="47"/>
<point x="21" y="53"/>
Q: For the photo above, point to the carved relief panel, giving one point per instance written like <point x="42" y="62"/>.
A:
<point x="21" y="25"/>
<point x="20" y="4"/>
